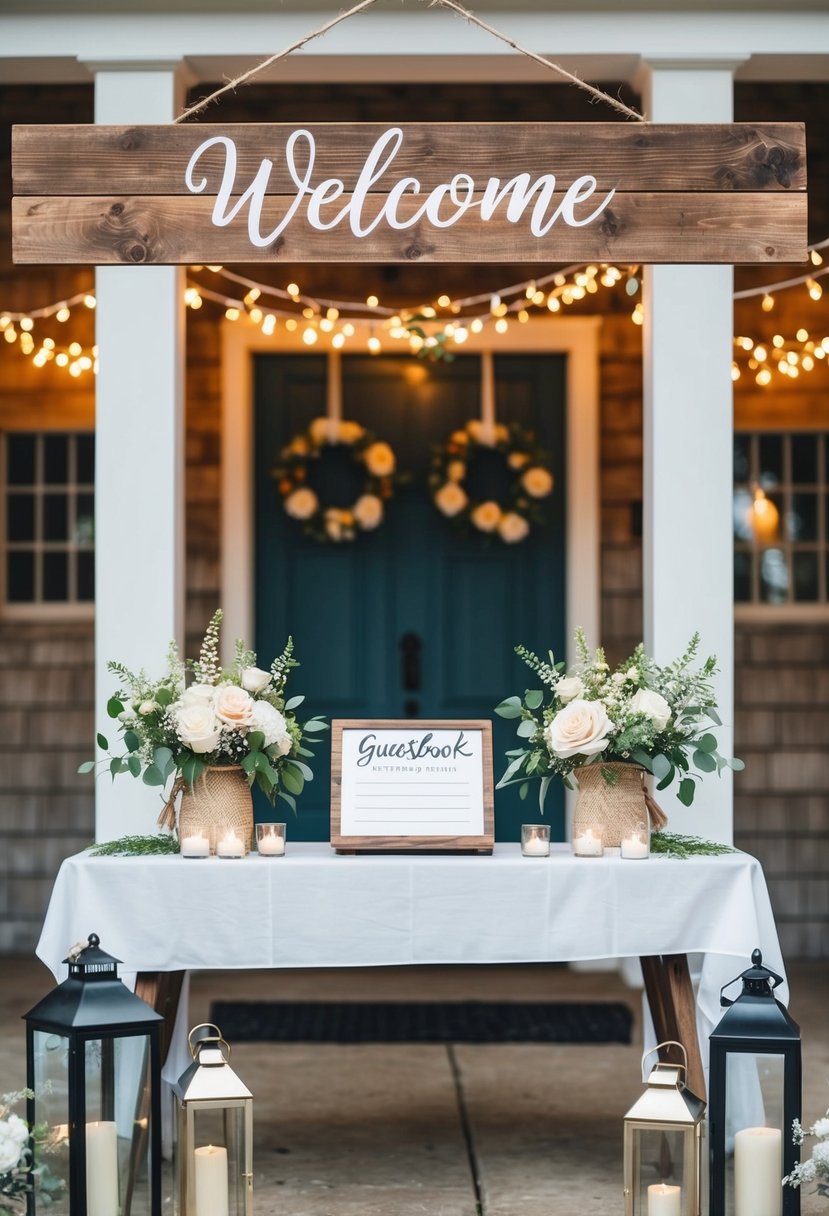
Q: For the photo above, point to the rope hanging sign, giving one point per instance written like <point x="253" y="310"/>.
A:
<point x="435" y="192"/>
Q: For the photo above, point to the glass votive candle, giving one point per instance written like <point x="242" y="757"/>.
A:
<point x="230" y="842"/>
<point x="270" y="839"/>
<point x="636" y="845"/>
<point x="589" y="842"/>
<point x="196" y="843"/>
<point x="535" y="839"/>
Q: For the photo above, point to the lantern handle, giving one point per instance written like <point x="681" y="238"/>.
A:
<point x="756" y="961"/>
<point x="216" y="1038"/>
<point x="668" y="1043"/>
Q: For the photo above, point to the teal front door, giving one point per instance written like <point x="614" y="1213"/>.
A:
<point x="413" y="620"/>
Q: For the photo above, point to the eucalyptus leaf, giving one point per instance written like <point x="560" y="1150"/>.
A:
<point x="543" y="786"/>
<point x="686" y="791"/>
<point x="101" y="740"/>
<point x="533" y="698"/>
<point x="511" y="708"/>
<point x="292" y="780"/>
<point x="523" y="790"/>
<point x="132" y="740"/>
<point x="114" y="707"/>
<point x="134" y="765"/>
<point x="704" y="761"/>
<point x="294" y="702"/>
<point x="304" y="769"/>
<point x="287" y="798"/>
<point x="152" y="775"/>
<point x="313" y="725"/>
<point x="255" y="740"/>
<point x="526" y="728"/>
<point x="249" y="762"/>
<point x="707" y="743"/>
<point x="661" y="767"/>
<point x="86" y="767"/>
<point x="163" y="696"/>
<point x="736" y="765"/>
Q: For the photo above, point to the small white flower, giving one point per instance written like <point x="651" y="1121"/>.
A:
<point x="13" y="1137"/>
<point x="74" y="950"/>
<point x="254" y="679"/>
<point x="148" y="707"/>
<point x="633" y="675"/>
<point x="821" y="1128"/>
<point x="820" y="1153"/>
<point x="266" y="718"/>
<point x="368" y="512"/>
<point x="569" y="688"/>
<point x="653" y="705"/>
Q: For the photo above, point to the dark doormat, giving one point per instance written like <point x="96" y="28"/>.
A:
<point x="422" y="1022"/>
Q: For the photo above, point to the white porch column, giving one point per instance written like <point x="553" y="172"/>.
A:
<point x="139" y="507"/>
<point x="688" y="580"/>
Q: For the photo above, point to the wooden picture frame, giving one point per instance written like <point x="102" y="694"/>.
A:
<point x="389" y="773"/>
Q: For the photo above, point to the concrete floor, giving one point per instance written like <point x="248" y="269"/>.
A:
<point x="460" y="1131"/>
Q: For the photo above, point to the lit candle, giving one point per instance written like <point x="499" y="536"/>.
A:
<point x="535" y="839"/>
<point x="271" y="845"/>
<point x="211" y="1181"/>
<point x="635" y="846"/>
<point x="664" y="1200"/>
<point x="230" y="845"/>
<point x="195" y="845"/>
<point x="588" y="844"/>
<point x="102" y="1170"/>
<point x="758" y="1169"/>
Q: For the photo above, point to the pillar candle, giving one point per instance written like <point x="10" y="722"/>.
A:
<point x="758" y="1170"/>
<point x="230" y="845"/>
<point x="664" y="1200"/>
<point x="195" y="846"/>
<point x="211" y="1181"/>
<point x="102" y="1170"/>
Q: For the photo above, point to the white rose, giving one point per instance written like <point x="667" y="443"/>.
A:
<point x="197" y="727"/>
<point x="13" y="1136"/>
<point x="653" y="705"/>
<point x="148" y="707"/>
<point x="233" y="705"/>
<point x="368" y="511"/>
<point x="379" y="459"/>
<point x="569" y="688"/>
<point x="580" y="729"/>
<point x="821" y="1127"/>
<point x="537" y="481"/>
<point x="321" y="430"/>
<point x="486" y="516"/>
<point x="512" y="528"/>
<point x="254" y="679"/>
<point x="269" y="720"/>
<point x="456" y="470"/>
<point x="350" y="432"/>
<point x="198" y="694"/>
<point x="301" y="504"/>
<point x="450" y="499"/>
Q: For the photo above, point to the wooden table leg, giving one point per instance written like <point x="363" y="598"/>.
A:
<point x="162" y="990"/>
<point x="673" y="1008"/>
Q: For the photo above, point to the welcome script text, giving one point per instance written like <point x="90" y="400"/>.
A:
<point x="442" y="207"/>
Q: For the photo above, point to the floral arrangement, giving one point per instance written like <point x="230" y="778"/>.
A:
<point x="641" y="714"/>
<point x="15" y="1155"/>
<point x="529" y="481"/>
<point x="375" y="461"/>
<point x="224" y="717"/>
<point x="816" y="1169"/>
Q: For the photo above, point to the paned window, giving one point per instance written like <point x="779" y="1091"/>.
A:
<point x="49" y="519"/>
<point x="780" y="518"/>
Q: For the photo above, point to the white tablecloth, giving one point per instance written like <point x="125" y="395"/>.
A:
<point x="312" y="908"/>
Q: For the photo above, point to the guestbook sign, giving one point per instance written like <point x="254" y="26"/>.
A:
<point x="406" y="784"/>
<point x="439" y="192"/>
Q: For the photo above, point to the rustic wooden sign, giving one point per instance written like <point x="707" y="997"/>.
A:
<point x="439" y="192"/>
<point x="411" y="785"/>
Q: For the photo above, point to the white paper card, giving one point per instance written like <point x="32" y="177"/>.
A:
<point x="412" y="782"/>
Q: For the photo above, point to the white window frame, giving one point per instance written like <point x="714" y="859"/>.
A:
<point x="39" y="610"/>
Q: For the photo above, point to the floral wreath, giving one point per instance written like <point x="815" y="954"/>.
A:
<point x="375" y="460"/>
<point x="531" y="481"/>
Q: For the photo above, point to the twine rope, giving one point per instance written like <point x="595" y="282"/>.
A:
<point x="453" y="6"/>
<point x="167" y="818"/>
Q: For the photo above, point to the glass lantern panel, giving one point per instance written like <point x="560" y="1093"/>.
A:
<point x="219" y="1160"/>
<point x="754" y="1133"/>
<point x="51" y="1087"/>
<point x="661" y="1183"/>
<point x="117" y="1076"/>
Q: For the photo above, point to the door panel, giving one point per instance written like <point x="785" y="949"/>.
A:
<point x="463" y="601"/>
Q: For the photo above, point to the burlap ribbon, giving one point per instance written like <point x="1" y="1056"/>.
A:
<point x="658" y="817"/>
<point x="167" y="818"/>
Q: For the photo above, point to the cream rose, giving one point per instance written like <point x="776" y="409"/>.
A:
<point x="450" y="499"/>
<point x="368" y="511"/>
<point x="198" y="694"/>
<point x="456" y="470"/>
<point x="302" y="503"/>
<point x="569" y="688"/>
<point x="512" y="528"/>
<point x="233" y="705"/>
<point x="580" y="729"/>
<point x="197" y="727"/>
<point x="379" y="460"/>
<point x="148" y="707"/>
<point x="459" y="437"/>
<point x="321" y="430"/>
<point x="486" y="516"/>
<point x="517" y="460"/>
<point x="267" y="718"/>
<point x="538" y="482"/>
<point x="350" y="432"/>
<point x="254" y="679"/>
<point x="653" y="705"/>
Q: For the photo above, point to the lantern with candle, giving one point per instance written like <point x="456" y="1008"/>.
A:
<point x="755" y="1082"/>
<point x="213" y="1132"/>
<point x="93" y="1065"/>
<point x="662" y="1145"/>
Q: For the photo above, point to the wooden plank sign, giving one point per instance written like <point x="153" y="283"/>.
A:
<point x="437" y="192"/>
<point x="403" y="786"/>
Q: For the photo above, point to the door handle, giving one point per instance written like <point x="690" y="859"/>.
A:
<point x="410" y="650"/>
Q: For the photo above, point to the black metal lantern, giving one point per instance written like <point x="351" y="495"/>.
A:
<point x="754" y="1097"/>
<point x="93" y="1063"/>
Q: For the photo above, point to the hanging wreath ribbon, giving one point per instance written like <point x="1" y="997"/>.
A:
<point x="374" y="461"/>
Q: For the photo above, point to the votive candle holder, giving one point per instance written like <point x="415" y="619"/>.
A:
<point x="196" y="843"/>
<point x="535" y="839"/>
<point x="270" y="839"/>
<point x="589" y="841"/>
<point x="230" y="842"/>
<point x="636" y="844"/>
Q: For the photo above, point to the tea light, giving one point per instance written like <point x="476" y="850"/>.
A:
<point x="664" y="1200"/>
<point x="535" y="839"/>
<point x="589" y="843"/>
<point x="195" y="844"/>
<point x="270" y="839"/>
<point x="636" y="844"/>
<point x="230" y="845"/>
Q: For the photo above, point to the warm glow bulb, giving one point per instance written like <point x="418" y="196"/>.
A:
<point x="802" y="335"/>
<point x="269" y="325"/>
<point x="232" y="314"/>
<point x="763" y="377"/>
<point x="428" y="311"/>
<point x="374" y="344"/>
<point x="501" y="325"/>
<point x="308" y="313"/>
<point x="444" y="301"/>
<point x="529" y="290"/>
<point x="494" y="304"/>
<point x="814" y="288"/>
<point x="75" y="349"/>
<point x="62" y="314"/>
<point x="767" y="303"/>
<point x="292" y="289"/>
<point x="256" y="315"/>
<point x="252" y="296"/>
<point x="49" y="343"/>
<point x="89" y="301"/>
<point x="74" y="369"/>
<point x="10" y="333"/>
<point x="735" y="372"/>
<point x="777" y="341"/>
<point x="309" y="336"/>
<point x="338" y="340"/>
<point x="27" y="324"/>
<point x="763" y="518"/>
<point x="538" y="298"/>
<point x="461" y="334"/>
<point x="62" y="359"/>
<point x="372" y="301"/>
<point x="793" y="357"/>
<point x="816" y="259"/>
<point x="746" y="343"/>
<point x="348" y="329"/>
<point x="807" y="363"/>
<point x="449" y="329"/>
<point x="638" y="315"/>
<point x="292" y="325"/>
<point x="332" y="313"/>
<point x="326" y="325"/>
<point x="553" y="303"/>
<point x="761" y="354"/>
<point x="523" y="316"/>
<point x="476" y="325"/>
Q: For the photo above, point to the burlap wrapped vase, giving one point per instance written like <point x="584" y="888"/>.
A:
<point x="220" y="799"/>
<point x="620" y="804"/>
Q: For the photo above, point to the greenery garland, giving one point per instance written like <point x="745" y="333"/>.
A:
<point x="137" y="846"/>
<point x="671" y="844"/>
<point x="530" y="481"/>
<point x="375" y="461"/>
